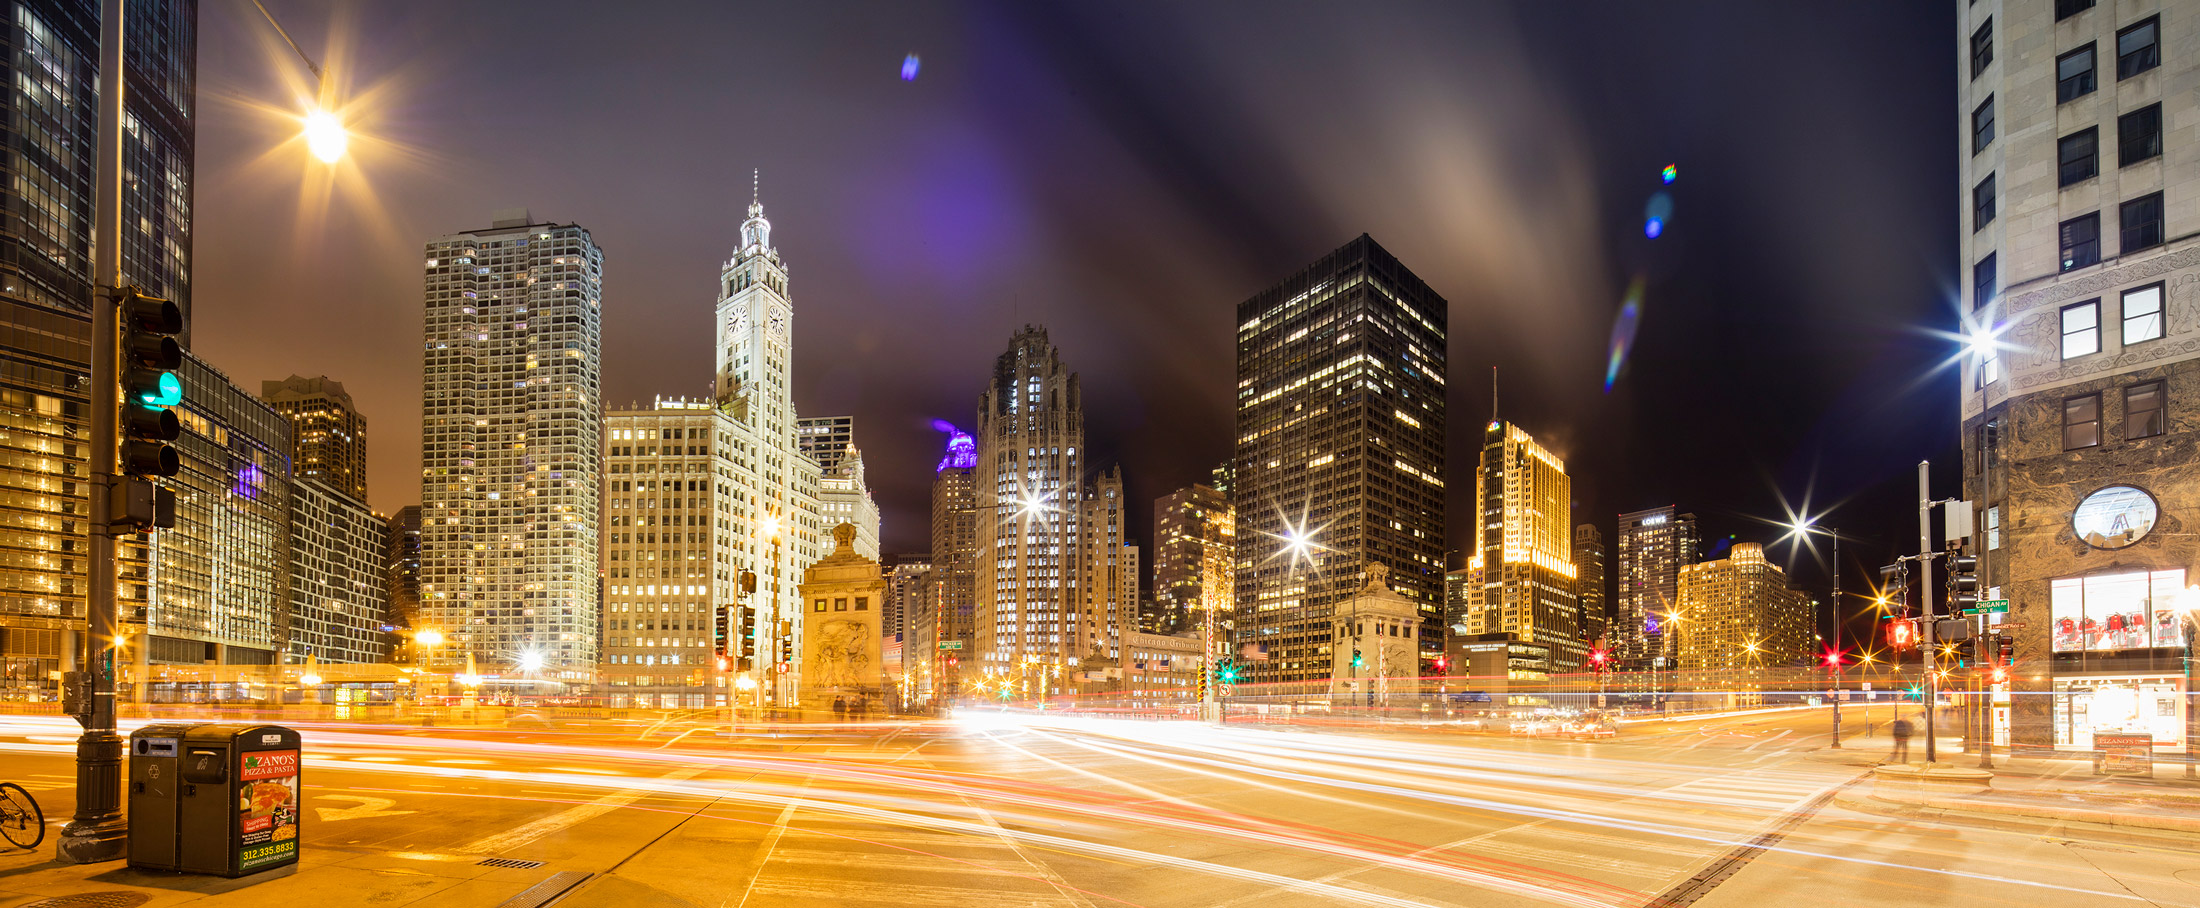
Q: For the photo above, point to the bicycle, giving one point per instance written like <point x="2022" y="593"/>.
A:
<point x="21" y="822"/>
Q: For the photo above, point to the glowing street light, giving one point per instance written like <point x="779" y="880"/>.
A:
<point x="326" y="136"/>
<point x="428" y="637"/>
<point x="530" y="662"/>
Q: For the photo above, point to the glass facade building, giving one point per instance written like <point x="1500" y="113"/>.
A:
<point x="1340" y="454"/>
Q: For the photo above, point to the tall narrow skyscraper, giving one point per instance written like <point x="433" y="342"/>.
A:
<point x="1054" y="583"/>
<point x="1521" y="567"/>
<point x="1653" y="547"/>
<point x="945" y="635"/>
<point x="1590" y="578"/>
<point x="1340" y="454"/>
<point x="328" y="436"/>
<point x="510" y="439"/>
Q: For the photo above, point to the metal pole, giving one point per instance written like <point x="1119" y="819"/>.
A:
<point x="1925" y="601"/>
<point x="99" y="831"/>
<point x="1836" y="637"/>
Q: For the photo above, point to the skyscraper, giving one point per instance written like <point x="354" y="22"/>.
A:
<point x="946" y="633"/>
<point x="1054" y="582"/>
<point x="403" y="567"/>
<point x="1194" y="561"/>
<point x="668" y="549"/>
<point x="328" y="436"/>
<point x="1340" y="453"/>
<point x="1738" y="615"/>
<point x="338" y="581"/>
<point x="908" y="591"/>
<point x="2079" y="228"/>
<point x="45" y="287"/>
<point x="1589" y="584"/>
<point x="511" y="424"/>
<point x="1521" y="568"/>
<point x="774" y="484"/>
<point x="826" y="439"/>
<point x="1653" y="546"/>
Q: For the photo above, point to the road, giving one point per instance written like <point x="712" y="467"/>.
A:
<point x="994" y="810"/>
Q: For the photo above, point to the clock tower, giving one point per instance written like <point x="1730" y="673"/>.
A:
<point x="755" y="332"/>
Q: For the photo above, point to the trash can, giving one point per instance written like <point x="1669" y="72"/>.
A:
<point x="232" y="809"/>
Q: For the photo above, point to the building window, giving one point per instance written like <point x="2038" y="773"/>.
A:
<point x="1982" y="47"/>
<point x="2065" y="9"/>
<point x="2081" y="329"/>
<point x="2142" y="314"/>
<point x="2081" y="422"/>
<point x="1993" y="527"/>
<point x="2138" y="49"/>
<point x="1982" y="204"/>
<point x="2079" y="155"/>
<point x="2139" y="135"/>
<point x="1982" y="281"/>
<point x="1982" y="126"/>
<point x="1989" y="369"/>
<point x="2146" y="411"/>
<point x="2074" y="75"/>
<point x="2081" y="241"/>
<point x="2142" y="224"/>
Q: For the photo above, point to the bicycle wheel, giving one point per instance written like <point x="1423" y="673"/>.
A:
<point x="20" y="819"/>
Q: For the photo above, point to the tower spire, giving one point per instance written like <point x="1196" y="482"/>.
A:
<point x="1493" y="394"/>
<point x="756" y="186"/>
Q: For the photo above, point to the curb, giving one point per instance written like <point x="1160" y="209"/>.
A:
<point x="2027" y="818"/>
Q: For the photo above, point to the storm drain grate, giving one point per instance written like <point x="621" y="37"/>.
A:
<point x="95" y="900"/>
<point x="512" y="863"/>
<point x="551" y="889"/>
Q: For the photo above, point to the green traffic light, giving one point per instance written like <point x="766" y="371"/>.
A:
<point x="167" y="392"/>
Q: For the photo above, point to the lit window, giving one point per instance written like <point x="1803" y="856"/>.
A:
<point x="2081" y="329"/>
<point x="1993" y="527"/>
<point x="2142" y="311"/>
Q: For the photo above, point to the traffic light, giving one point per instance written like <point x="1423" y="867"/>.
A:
<point x="720" y="631"/>
<point x="746" y="629"/>
<point x="786" y="641"/>
<point x="2005" y="650"/>
<point x="1356" y="663"/>
<point x="1962" y="582"/>
<point x="1229" y="672"/>
<point x="1203" y="683"/>
<point x="150" y="356"/>
<point x="1914" y="692"/>
<point x="1901" y="634"/>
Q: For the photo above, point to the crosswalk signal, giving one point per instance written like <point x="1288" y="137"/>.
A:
<point x="1962" y="582"/>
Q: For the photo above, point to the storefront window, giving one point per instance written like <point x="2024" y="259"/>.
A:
<point x="2108" y="612"/>
<point x="2131" y="704"/>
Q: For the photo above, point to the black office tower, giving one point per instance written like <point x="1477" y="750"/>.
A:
<point x="1340" y="454"/>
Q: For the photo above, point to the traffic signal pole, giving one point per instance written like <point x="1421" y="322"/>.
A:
<point x="99" y="831"/>
<point x="1925" y="600"/>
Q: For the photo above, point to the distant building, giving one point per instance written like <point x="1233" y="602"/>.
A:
<point x="1057" y="578"/>
<point x="844" y="496"/>
<point x="825" y="439"/>
<point x="908" y="593"/>
<point x="339" y="576"/>
<point x="1521" y="570"/>
<point x="511" y="426"/>
<point x="328" y="436"/>
<point x="942" y="639"/>
<point x="1340" y="454"/>
<point x="1377" y="661"/>
<point x="401" y="570"/>
<point x="1194" y="562"/>
<point x="668" y="554"/>
<point x="1161" y="668"/>
<point x="1501" y="666"/>
<point x="1589" y="586"/>
<point x="1653" y="547"/>
<point x="1737" y="617"/>
<point x="2079" y="233"/>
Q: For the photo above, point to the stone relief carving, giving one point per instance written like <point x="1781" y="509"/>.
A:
<point x="2093" y="284"/>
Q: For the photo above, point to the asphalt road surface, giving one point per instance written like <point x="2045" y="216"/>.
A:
<point x="992" y="810"/>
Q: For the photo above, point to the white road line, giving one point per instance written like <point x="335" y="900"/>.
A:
<point x="580" y="813"/>
<point x="763" y="853"/>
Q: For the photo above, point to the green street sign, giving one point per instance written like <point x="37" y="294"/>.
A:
<point x="951" y="644"/>
<point x="1989" y="607"/>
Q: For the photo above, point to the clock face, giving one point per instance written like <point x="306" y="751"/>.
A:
<point x="779" y="322"/>
<point x="739" y="326"/>
<point x="2115" y="517"/>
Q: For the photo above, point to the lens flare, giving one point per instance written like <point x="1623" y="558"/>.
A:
<point x="909" y="68"/>
<point x="1624" y="327"/>
<point x="1670" y="173"/>
<point x="1657" y="215"/>
<point x="325" y="136"/>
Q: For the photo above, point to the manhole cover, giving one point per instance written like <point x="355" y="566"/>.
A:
<point x="95" y="900"/>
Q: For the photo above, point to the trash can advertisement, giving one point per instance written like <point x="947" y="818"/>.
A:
<point x="267" y="806"/>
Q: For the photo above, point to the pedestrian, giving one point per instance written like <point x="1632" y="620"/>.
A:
<point x="840" y="709"/>
<point x="1901" y="730"/>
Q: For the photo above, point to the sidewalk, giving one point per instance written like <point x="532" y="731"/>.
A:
<point x="323" y="876"/>
<point x="2032" y="792"/>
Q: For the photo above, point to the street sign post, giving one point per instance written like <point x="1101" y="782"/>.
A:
<point x="1989" y="607"/>
<point x="951" y="644"/>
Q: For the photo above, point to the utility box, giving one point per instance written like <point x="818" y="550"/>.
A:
<point x="214" y="799"/>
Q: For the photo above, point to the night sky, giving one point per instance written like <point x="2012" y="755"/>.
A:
<point x="1126" y="174"/>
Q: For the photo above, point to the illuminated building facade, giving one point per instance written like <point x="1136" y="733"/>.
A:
<point x="667" y="543"/>
<point x="1738" y="617"/>
<point x="338" y="582"/>
<point x="328" y="435"/>
<point x="2079" y="227"/>
<point x="826" y="438"/>
<point x="1521" y="570"/>
<point x="1589" y="585"/>
<point x="1653" y="547"/>
<point x="944" y="636"/>
<point x="843" y="496"/>
<point x="511" y="423"/>
<point x="52" y="110"/>
<point x="1057" y="579"/>
<point x="1340" y="454"/>
<point x="1195" y="562"/>
<point x="908" y="593"/>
